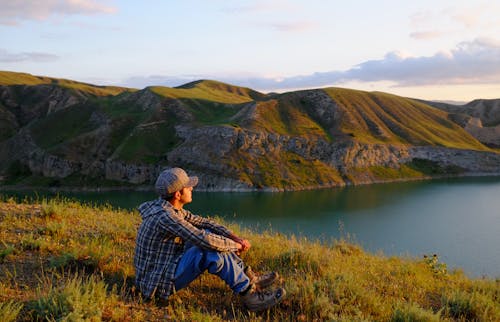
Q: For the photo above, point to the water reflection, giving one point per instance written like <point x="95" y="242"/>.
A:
<point x="304" y="204"/>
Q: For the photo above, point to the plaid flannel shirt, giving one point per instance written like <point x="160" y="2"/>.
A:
<point x="161" y="241"/>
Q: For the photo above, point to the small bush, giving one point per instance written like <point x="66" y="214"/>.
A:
<point x="471" y="307"/>
<point x="52" y="229"/>
<point x="435" y="266"/>
<point x="299" y="260"/>
<point x="9" y="311"/>
<point x="16" y="171"/>
<point x="52" y="208"/>
<point x="413" y="313"/>
<point x="78" y="300"/>
<point x="430" y="167"/>
<point x="6" y="252"/>
<point x="30" y="242"/>
<point x="72" y="262"/>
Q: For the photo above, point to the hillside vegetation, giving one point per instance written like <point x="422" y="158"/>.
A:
<point x="61" y="260"/>
<point x="12" y="78"/>
<point x="62" y="132"/>
<point x="386" y="118"/>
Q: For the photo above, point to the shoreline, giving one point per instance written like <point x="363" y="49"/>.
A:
<point x="150" y="188"/>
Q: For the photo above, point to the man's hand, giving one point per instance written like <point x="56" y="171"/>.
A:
<point x="245" y="244"/>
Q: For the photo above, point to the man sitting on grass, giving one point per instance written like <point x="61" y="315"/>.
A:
<point x="174" y="247"/>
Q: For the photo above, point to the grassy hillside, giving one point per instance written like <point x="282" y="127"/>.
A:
<point x="375" y="117"/>
<point x="209" y="91"/>
<point x="13" y="78"/>
<point x="62" y="260"/>
<point x="286" y="118"/>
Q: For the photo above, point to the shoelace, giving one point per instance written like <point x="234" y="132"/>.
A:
<point x="267" y="276"/>
<point x="262" y="294"/>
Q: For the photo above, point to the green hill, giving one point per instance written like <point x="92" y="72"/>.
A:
<point x="385" y="118"/>
<point x="13" y="78"/>
<point x="80" y="134"/>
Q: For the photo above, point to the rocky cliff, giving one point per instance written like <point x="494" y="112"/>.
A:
<point x="480" y="118"/>
<point x="232" y="137"/>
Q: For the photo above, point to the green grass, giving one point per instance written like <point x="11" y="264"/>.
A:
<point x="429" y="167"/>
<point x="83" y="271"/>
<point x="77" y="300"/>
<point x="13" y="78"/>
<point x="9" y="311"/>
<point x="286" y="118"/>
<point x="211" y="113"/>
<point x="282" y="170"/>
<point x="381" y="173"/>
<point x="62" y="126"/>
<point x="148" y="145"/>
<point x="416" y="169"/>
<point x="206" y="91"/>
<point x="8" y="123"/>
<point x="384" y="118"/>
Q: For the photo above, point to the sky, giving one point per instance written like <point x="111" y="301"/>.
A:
<point x="437" y="50"/>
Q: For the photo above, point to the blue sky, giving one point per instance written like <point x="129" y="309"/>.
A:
<point x="440" y="49"/>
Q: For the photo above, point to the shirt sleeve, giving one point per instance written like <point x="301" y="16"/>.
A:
<point x="205" y="223"/>
<point x="179" y="226"/>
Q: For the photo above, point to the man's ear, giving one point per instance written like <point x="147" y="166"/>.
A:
<point x="177" y="195"/>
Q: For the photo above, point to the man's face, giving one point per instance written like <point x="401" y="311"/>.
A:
<point x="186" y="195"/>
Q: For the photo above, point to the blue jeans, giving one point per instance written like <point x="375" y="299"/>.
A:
<point x="228" y="266"/>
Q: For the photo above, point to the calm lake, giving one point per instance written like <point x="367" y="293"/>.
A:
<point x="457" y="219"/>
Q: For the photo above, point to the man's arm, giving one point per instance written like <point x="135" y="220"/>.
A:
<point x="205" y="223"/>
<point x="219" y="229"/>
<point x="245" y="244"/>
<point x="177" y="225"/>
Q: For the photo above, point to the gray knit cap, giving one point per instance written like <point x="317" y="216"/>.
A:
<point x="172" y="180"/>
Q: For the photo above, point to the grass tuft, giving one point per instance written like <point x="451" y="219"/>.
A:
<point x="78" y="299"/>
<point x="414" y="313"/>
<point x="465" y="306"/>
<point x="6" y="251"/>
<point x="10" y="310"/>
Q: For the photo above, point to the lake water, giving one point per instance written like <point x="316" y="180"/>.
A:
<point x="457" y="219"/>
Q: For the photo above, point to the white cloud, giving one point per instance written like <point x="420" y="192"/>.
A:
<point x="476" y="61"/>
<point x="473" y="62"/>
<point x="14" y="11"/>
<point x="6" y="57"/>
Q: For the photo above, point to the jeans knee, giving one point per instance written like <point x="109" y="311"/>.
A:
<point x="214" y="261"/>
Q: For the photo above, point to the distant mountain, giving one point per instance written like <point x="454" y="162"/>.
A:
<point x="481" y="118"/>
<point x="64" y="133"/>
<point x="450" y="102"/>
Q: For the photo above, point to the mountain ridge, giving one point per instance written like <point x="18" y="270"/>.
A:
<point x="235" y="138"/>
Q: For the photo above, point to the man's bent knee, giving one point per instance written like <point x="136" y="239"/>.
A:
<point x="214" y="261"/>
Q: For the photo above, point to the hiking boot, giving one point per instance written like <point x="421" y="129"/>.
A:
<point x="261" y="281"/>
<point x="258" y="300"/>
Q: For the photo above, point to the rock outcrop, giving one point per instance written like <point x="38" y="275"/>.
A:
<point x="481" y="118"/>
